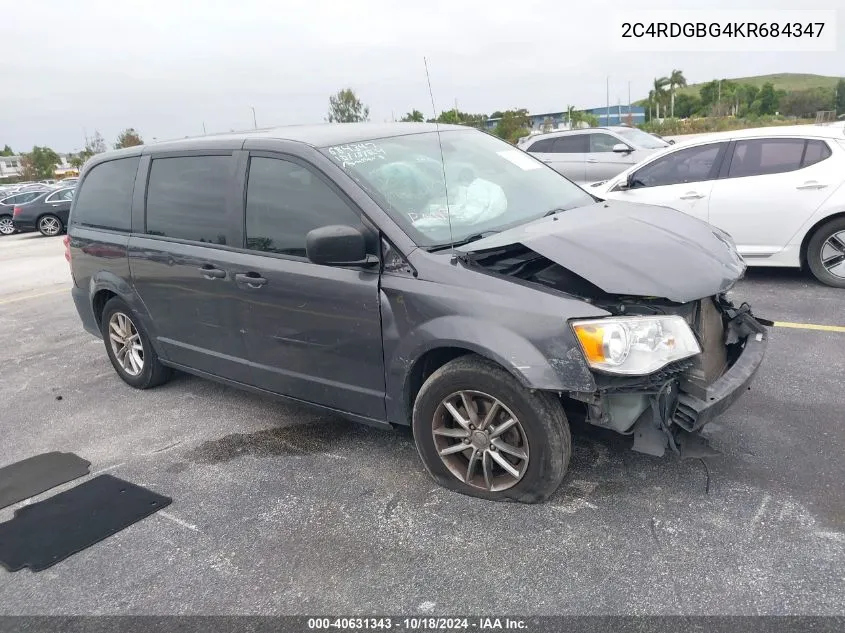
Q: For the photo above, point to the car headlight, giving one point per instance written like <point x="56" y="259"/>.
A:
<point x="635" y="345"/>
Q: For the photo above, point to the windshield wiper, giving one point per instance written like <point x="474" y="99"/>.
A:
<point x="466" y="240"/>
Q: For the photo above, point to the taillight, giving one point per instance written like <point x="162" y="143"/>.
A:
<point x="66" y="242"/>
<point x="16" y="212"/>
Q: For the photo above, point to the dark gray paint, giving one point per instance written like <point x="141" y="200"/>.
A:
<point x="349" y="338"/>
<point x="631" y="249"/>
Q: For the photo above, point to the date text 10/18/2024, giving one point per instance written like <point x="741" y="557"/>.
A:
<point x="418" y="624"/>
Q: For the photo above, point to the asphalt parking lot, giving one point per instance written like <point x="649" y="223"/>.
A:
<point x="278" y="510"/>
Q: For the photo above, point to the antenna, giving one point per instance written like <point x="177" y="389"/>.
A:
<point x="442" y="157"/>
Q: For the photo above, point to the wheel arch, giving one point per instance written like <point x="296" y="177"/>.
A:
<point x="805" y="242"/>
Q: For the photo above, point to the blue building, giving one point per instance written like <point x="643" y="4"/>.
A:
<point x="624" y="115"/>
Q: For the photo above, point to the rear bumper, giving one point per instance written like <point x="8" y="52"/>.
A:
<point x="24" y="226"/>
<point x="692" y="413"/>
<point x="85" y="310"/>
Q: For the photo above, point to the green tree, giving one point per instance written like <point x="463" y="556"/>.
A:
<point x="128" y="138"/>
<point x="345" y="107"/>
<point x="805" y="103"/>
<point x="76" y="161"/>
<point x="456" y="117"/>
<point x="658" y="94"/>
<point x="7" y="151"/>
<point x="840" y="97"/>
<point x="39" y="164"/>
<point x="686" y="105"/>
<point x="676" y="80"/>
<point x="768" y="99"/>
<point x="513" y="125"/>
<point x="414" y="116"/>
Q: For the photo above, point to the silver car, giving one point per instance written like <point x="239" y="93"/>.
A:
<point x="592" y="154"/>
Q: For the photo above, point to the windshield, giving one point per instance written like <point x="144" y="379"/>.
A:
<point x="491" y="184"/>
<point x="641" y="139"/>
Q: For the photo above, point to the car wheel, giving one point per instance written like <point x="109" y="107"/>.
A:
<point x="826" y="253"/>
<point x="129" y="348"/>
<point x="50" y="225"/>
<point x="6" y="225"/>
<point x="481" y="433"/>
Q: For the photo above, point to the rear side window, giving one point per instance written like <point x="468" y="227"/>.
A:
<point x="758" y="157"/>
<point x="543" y="145"/>
<point x="105" y="196"/>
<point x="284" y="201"/>
<point x="186" y="198"/>
<point x="575" y="144"/>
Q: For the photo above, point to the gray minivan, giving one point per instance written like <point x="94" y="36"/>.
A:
<point x="408" y="274"/>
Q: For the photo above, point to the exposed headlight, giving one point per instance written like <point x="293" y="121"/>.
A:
<point x="635" y="345"/>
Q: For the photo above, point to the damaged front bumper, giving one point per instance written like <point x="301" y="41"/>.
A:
<point x="668" y="409"/>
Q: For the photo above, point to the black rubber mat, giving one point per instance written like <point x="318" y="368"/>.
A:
<point x="46" y="532"/>
<point x="32" y="476"/>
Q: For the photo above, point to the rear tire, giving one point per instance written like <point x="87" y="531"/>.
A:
<point x="128" y="347"/>
<point x="50" y="226"/>
<point x="536" y="444"/>
<point x="826" y="253"/>
<point x="6" y="225"/>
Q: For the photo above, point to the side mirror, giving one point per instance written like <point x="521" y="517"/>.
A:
<point x="626" y="184"/>
<point x="621" y="148"/>
<point x="338" y="245"/>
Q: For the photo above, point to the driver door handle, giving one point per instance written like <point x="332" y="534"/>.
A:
<point x="692" y="195"/>
<point x="210" y="272"/>
<point x="592" y="160"/>
<point x="811" y="184"/>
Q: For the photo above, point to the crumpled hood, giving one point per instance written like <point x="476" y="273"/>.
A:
<point x="631" y="249"/>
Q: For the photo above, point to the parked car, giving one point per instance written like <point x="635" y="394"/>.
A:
<point x="7" y="206"/>
<point x="334" y="265"/>
<point x="47" y="213"/>
<point x="779" y="192"/>
<point x="592" y="154"/>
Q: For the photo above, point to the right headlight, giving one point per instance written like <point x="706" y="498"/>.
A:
<point x="635" y="345"/>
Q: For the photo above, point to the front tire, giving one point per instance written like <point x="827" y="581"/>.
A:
<point x="129" y="348"/>
<point x="6" y="225"/>
<point x="481" y="433"/>
<point x="826" y="253"/>
<point x="50" y="226"/>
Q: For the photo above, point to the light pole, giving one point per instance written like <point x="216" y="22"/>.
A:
<point x="254" y="122"/>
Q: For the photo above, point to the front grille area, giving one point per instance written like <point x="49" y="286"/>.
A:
<point x="710" y="328"/>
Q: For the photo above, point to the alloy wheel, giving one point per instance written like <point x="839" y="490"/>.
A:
<point x="7" y="227"/>
<point x="49" y="225"/>
<point x="833" y="254"/>
<point x="480" y="440"/>
<point x="126" y="344"/>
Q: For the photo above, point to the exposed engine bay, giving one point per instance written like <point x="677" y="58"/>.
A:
<point x="666" y="408"/>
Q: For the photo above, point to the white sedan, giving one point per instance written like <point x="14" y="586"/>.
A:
<point x="778" y="191"/>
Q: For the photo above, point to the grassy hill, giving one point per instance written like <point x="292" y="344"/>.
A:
<point x="781" y="81"/>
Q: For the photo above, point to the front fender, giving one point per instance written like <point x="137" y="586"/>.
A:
<point x="560" y="368"/>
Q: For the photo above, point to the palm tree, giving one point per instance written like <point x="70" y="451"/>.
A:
<point x="660" y="92"/>
<point x="675" y="80"/>
<point x="650" y="103"/>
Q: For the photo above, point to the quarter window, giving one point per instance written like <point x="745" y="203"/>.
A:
<point x="186" y="198"/>
<point x="105" y="196"/>
<point x="693" y="164"/>
<point x="284" y="201"/>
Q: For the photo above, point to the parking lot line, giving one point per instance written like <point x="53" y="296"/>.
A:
<point x="35" y="296"/>
<point x="810" y="326"/>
